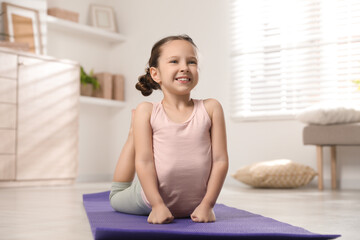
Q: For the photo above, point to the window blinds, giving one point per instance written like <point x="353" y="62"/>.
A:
<point x="290" y="54"/>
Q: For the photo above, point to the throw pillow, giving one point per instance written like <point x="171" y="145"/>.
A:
<point x="330" y="113"/>
<point x="280" y="173"/>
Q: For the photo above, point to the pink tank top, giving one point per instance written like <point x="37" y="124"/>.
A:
<point x="182" y="155"/>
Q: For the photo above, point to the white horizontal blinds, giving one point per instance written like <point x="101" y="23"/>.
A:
<point x="290" y="54"/>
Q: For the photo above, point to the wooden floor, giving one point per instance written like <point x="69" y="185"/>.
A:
<point x="44" y="213"/>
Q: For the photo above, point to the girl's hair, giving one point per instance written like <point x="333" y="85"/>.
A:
<point x="146" y="84"/>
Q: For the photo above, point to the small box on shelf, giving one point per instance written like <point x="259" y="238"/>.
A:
<point x="63" y="14"/>
<point x="118" y="87"/>
<point x="109" y="92"/>
<point x="105" y="81"/>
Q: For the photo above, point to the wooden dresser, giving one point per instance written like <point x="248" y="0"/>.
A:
<point x="39" y="111"/>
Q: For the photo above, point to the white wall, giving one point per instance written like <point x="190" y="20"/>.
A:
<point x="103" y="131"/>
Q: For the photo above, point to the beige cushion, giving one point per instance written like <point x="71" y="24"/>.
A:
<point x="337" y="134"/>
<point x="280" y="173"/>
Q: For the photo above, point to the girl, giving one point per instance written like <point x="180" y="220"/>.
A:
<point x="177" y="146"/>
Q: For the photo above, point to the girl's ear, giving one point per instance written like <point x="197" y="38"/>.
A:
<point x="154" y="72"/>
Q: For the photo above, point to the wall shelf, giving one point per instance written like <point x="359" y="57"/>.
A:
<point x="84" y="30"/>
<point x="102" y="102"/>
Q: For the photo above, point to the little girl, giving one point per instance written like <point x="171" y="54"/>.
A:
<point x="177" y="146"/>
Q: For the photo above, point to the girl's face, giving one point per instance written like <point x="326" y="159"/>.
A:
<point x="177" y="71"/>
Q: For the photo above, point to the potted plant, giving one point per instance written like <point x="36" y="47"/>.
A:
<point x="88" y="82"/>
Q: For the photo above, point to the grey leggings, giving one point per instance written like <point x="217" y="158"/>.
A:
<point x="126" y="197"/>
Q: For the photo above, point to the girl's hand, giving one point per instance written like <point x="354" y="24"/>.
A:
<point x="203" y="214"/>
<point x="160" y="215"/>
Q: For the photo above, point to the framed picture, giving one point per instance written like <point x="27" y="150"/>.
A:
<point x="103" y="17"/>
<point x="22" y="25"/>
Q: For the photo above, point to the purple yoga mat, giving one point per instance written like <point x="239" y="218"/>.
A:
<point x="231" y="223"/>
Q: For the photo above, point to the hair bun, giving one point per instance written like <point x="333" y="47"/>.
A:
<point x="146" y="84"/>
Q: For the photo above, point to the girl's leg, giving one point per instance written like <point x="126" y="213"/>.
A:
<point x="126" y="198"/>
<point x="125" y="167"/>
<point x="125" y="195"/>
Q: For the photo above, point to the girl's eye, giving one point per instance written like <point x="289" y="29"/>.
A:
<point x="192" y="62"/>
<point x="173" y="61"/>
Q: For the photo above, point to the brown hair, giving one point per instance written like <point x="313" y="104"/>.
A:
<point x="145" y="82"/>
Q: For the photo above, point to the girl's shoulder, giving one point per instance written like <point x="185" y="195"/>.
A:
<point x="144" y="109"/>
<point x="211" y="102"/>
<point x="212" y="105"/>
<point x="145" y="105"/>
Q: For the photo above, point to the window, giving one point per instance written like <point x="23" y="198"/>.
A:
<point x="290" y="54"/>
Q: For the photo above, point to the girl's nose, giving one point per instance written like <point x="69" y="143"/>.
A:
<point x="184" y="68"/>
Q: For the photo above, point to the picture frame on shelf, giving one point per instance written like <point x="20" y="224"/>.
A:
<point x="103" y="17"/>
<point x="22" y="25"/>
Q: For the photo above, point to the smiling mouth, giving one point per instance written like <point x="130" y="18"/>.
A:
<point x="183" y="79"/>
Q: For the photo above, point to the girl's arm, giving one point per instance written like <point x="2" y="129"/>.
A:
<point x="204" y="212"/>
<point x="145" y="167"/>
